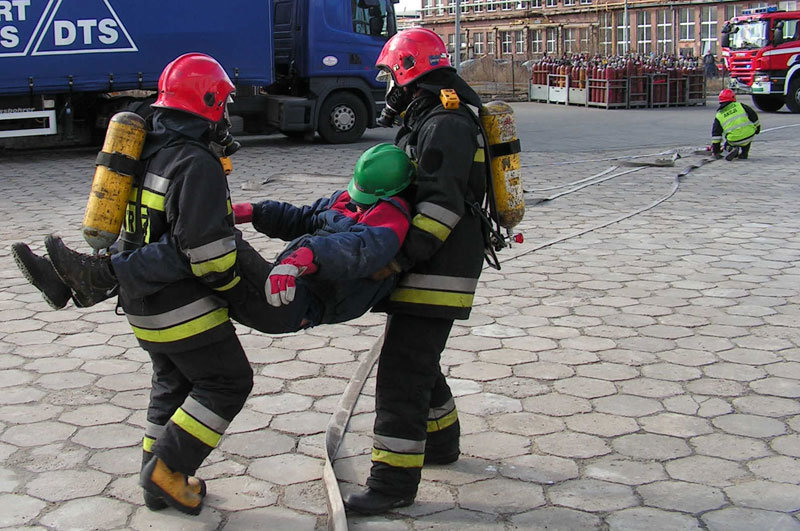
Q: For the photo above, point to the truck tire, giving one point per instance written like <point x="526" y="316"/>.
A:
<point x="768" y="102"/>
<point x="793" y="95"/>
<point x="342" y="118"/>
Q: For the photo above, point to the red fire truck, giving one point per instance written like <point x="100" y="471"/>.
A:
<point x="761" y="49"/>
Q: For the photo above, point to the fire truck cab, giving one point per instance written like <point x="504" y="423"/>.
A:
<point x="761" y="50"/>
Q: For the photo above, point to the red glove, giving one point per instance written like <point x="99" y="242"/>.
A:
<point x="281" y="282"/>
<point x="242" y="212"/>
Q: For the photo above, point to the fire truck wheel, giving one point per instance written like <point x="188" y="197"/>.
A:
<point x="768" y="102"/>
<point x="793" y="96"/>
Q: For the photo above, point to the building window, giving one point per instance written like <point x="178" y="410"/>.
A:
<point x="451" y="7"/>
<point x="478" y="7"/>
<point x="584" y="36"/>
<point x="732" y="11"/>
<point x="536" y="41"/>
<point x="536" y="3"/>
<point x="522" y="5"/>
<point x="490" y="42"/>
<point x="708" y="29"/>
<point x="664" y="35"/>
<point x="586" y="2"/>
<point x="569" y="2"/>
<point x="465" y="7"/>
<point x="520" y="44"/>
<point x="551" y="3"/>
<point x="644" y="33"/>
<point x="686" y="16"/>
<point x="491" y="6"/>
<point x="451" y="43"/>
<point x="570" y="37"/>
<point x="506" y="6"/>
<point x="506" y="45"/>
<point x="606" y="34"/>
<point x="552" y="36"/>
<point x="623" y="33"/>
<point x="477" y="43"/>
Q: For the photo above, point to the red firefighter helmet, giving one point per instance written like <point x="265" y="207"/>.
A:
<point x="727" y="96"/>
<point x="195" y="83"/>
<point x="413" y="53"/>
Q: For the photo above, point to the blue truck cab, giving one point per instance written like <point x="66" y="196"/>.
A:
<point x="300" y="66"/>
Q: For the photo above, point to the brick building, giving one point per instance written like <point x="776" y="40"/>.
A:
<point x="529" y="29"/>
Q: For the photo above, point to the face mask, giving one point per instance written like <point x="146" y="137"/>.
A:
<point x="220" y="135"/>
<point x="397" y="99"/>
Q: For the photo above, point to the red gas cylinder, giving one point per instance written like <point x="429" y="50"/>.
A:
<point x="582" y="77"/>
<point x="611" y="92"/>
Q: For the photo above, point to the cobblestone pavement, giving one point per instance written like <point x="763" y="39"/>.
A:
<point x="642" y="376"/>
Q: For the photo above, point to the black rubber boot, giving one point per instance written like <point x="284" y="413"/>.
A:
<point x="90" y="277"/>
<point x="734" y="152"/>
<point x="371" y="501"/>
<point x="39" y="271"/>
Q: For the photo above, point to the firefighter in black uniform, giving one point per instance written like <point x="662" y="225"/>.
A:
<point x="201" y="376"/>
<point x="441" y="260"/>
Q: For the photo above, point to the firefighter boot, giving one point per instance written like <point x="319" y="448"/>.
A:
<point x="370" y="501"/>
<point x="732" y="154"/>
<point x="39" y="271"/>
<point x="157" y="503"/>
<point x="90" y="277"/>
<point x="172" y="487"/>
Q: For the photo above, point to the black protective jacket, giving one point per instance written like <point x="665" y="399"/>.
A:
<point x="183" y="194"/>
<point x="443" y="254"/>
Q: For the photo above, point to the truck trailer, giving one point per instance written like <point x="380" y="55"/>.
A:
<point x="299" y="66"/>
<point x="761" y="50"/>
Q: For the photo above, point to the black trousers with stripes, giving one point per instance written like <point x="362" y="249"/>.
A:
<point x="409" y="384"/>
<point x="218" y="376"/>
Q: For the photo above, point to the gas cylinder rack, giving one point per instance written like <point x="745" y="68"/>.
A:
<point x="614" y="83"/>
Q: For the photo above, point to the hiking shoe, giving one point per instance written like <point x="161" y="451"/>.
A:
<point x="40" y="272"/>
<point x="90" y="277"/>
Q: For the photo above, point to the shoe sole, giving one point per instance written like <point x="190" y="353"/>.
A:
<point x="23" y="267"/>
<point x="367" y="512"/>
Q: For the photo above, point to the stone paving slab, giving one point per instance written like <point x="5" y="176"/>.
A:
<point x="644" y="375"/>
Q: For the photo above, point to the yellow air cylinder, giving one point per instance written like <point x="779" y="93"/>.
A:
<point x="108" y="199"/>
<point x="497" y="118"/>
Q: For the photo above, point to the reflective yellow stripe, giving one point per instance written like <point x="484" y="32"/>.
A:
<point x="230" y="284"/>
<point x="436" y="298"/>
<point x="442" y="423"/>
<point x="154" y="201"/>
<point x="230" y="208"/>
<point x="217" y="265"/>
<point x="398" y="460"/>
<point x="147" y="444"/>
<point x="431" y="226"/>
<point x="194" y="428"/>
<point x="480" y="156"/>
<point x="184" y="330"/>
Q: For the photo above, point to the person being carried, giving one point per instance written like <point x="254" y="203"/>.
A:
<point x="736" y="124"/>
<point x="320" y="277"/>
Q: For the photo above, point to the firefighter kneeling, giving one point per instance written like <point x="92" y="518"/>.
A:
<point x="737" y="124"/>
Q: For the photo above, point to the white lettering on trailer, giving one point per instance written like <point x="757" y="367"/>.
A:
<point x="62" y="34"/>
<point x="6" y="13"/>
<point x="9" y="37"/>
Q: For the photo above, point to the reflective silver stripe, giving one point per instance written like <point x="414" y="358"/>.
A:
<point x="154" y="431"/>
<point x="156" y="183"/>
<point x="211" y="250"/>
<point x="741" y="142"/>
<point x="716" y="139"/>
<point x="435" y="413"/>
<point x="439" y="282"/>
<point x="178" y="315"/>
<point x="400" y="446"/>
<point x="439" y="213"/>
<point x="737" y="117"/>
<point x="204" y="415"/>
<point x="782" y="51"/>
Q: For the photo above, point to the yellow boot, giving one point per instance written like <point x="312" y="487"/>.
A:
<point x="157" y="503"/>
<point x="173" y="487"/>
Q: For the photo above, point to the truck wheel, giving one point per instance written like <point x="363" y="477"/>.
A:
<point x="342" y="118"/>
<point x="793" y="95"/>
<point x="767" y="102"/>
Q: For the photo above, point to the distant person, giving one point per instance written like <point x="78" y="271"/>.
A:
<point x="710" y="65"/>
<point x="737" y="124"/>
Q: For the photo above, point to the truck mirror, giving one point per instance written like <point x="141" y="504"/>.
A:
<point x="726" y="28"/>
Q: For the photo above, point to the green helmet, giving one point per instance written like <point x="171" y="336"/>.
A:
<point x="381" y="171"/>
